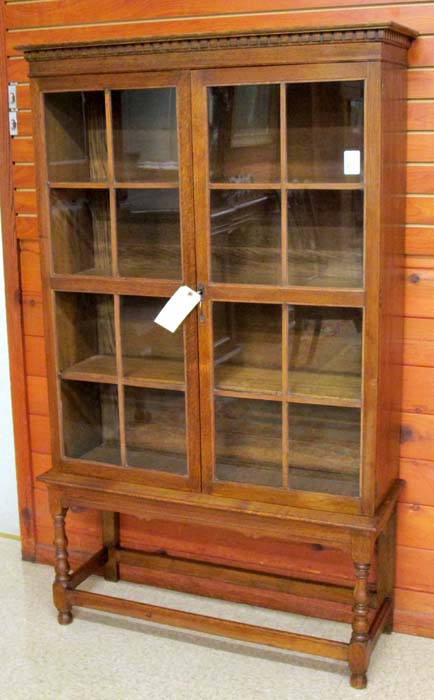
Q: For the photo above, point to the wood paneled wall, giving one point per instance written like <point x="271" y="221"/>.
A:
<point x="75" y="20"/>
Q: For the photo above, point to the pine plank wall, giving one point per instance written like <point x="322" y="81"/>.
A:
<point x="41" y="21"/>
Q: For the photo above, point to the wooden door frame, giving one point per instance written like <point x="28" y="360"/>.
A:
<point x="14" y="320"/>
<point x="278" y="294"/>
<point x="115" y="285"/>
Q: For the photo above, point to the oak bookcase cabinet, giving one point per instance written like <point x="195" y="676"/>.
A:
<point x="264" y="170"/>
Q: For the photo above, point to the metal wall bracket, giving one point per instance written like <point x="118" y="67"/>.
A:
<point x="12" y="95"/>
<point x="13" y="113"/>
<point x="13" y="123"/>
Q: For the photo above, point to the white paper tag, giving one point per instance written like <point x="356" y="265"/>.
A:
<point x="177" y="308"/>
<point x="351" y="162"/>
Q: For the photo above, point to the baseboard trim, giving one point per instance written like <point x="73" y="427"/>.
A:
<point x="417" y="624"/>
<point x="8" y="536"/>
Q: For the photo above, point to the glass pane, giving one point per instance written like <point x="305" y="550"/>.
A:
<point x="90" y="421"/>
<point x="245" y="237"/>
<point x="325" y="238"/>
<point x="248" y="441"/>
<point x="148" y="228"/>
<point x="150" y="353"/>
<point x="76" y="136"/>
<point x="248" y="347"/>
<point x="324" y="123"/>
<point x="86" y="336"/>
<point x="80" y="232"/>
<point x="144" y="135"/>
<point x="244" y="136"/>
<point x="324" y="449"/>
<point x="325" y="354"/>
<point x="155" y="430"/>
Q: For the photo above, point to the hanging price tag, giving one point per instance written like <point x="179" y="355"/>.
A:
<point x="177" y="308"/>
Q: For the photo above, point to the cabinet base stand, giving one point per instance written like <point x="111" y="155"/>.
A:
<point x="316" y="646"/>
<point x="372" y="609"/>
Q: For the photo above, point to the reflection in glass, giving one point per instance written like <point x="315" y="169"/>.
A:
<point x="324" y="449"/>
<point x="248" y="347"/>
<point x="323" y="121"/>
<point x="245" y="237"/>
<point x="76" y="136"/>
<point x="149" y="352"/>
<point x="80" y="231"/>
<point x="325" y="354"/>
<point x="85" y="332"/>
<point x="90" y="421"/>
<point x="248" y="441"/>
<point x="148" y="232"/>
<point x="144" y="135"/>
<point x="325" y="238"/>
<point x="155" y="430"/>
<point x="244" y="136"/>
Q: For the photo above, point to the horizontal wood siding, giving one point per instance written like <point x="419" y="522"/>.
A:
<point x="72" y="20"/>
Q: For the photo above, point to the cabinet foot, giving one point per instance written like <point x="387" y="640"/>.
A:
<point x="388" y="627"/>
<point x="65" y="618"/>
<point x="359" y="680"/>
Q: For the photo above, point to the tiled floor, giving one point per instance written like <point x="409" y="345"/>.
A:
<point x="102" y="657"/>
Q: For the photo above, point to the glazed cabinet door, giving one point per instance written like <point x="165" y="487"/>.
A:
<point x="119" y="240"/>
<point x="280" y="206"/>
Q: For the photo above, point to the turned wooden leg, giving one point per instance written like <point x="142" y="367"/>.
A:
<point x="62" y="569"/>
<point x="110" y="537"/>
<point x="358" y="652"/>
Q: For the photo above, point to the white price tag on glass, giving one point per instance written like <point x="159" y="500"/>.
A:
<point x="180" y="304"/>
<point x="351" y="162"/>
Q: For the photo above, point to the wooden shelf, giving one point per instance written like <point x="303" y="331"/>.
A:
<point x="152" y="460"/>
<point x="323" y="482"/>
<point x="324" y="389"/>
<point x="327" y="282"/>
<point x="129" y="172"/>
<point x="98" y="368"/>
<point x="156" y="372"/>
<point x="245" y="185"/>
<point x="304" y="387"/>
<point x="290" y="186"/>
<point x="155" y="460"/>
<point x="107" y="452"/>
<point x="312" y="295"/>
<point x="325" y="186"/>
<point x="313" y="455"/>
<point x="114" y="285"/>
<point x="136" y="268"/>
<point x="239" y="472"/>
<point x="105" y="184"/>
<point x="237" y="379"/>
<point x="310" y="480"/>
<point x="91" y="272"/>
<point x="134" y="185"/>
<point x="77" y="185"/>
<point x="254" y="265"/>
